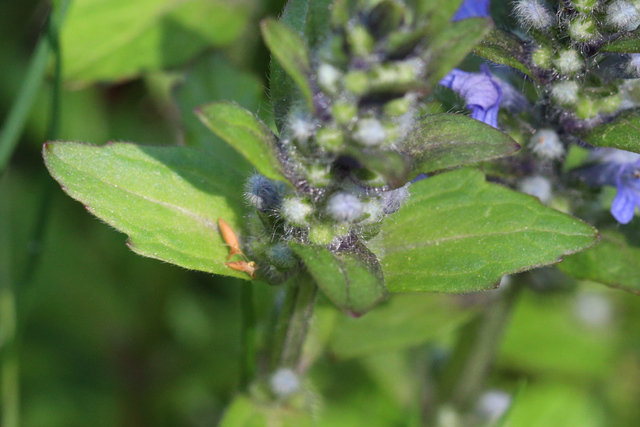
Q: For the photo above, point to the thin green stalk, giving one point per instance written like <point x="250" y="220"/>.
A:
<point x="473" y="356"/>
<point x="16" y="119"/>
<point x="248" y="346"/>
<point x="293" y="323"/>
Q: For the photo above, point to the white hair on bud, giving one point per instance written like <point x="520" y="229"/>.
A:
<point x="533" y="14"/>
<point x="537" y="186"/>
<point x="392" y="200"/>
<point x="284" y="382"/>
<point x="569" y="61"/>
<point x="328" y="77"/>
<point x="295" y="211"/>
<point x="344" y="207"/>
<point x="633" y="66"/>
<point x="623" y="16"/>
<point x="262" y="193"/>
<point x="369" y="132"/>
<point x="301" y="128"/>
<point x="545" y="143"/>
<point x="565" y="92"/>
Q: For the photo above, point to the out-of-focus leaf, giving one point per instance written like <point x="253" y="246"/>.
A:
<point x="449" y="47"/>
<point x="352" y="281"/>
<point x="612" y="261"/>
<point x="291" y="52"/>
<point x="502" y="48"/>
<point x="168" y="200"/>
<point x="443" y="141"/>
<point x="117" y="39"/>
<point x="245" y="412"/>
<point x="546" y="336"/>
<point x="438" y="14"/>
<point x="405" y="321"/>
<point x="622" y="133"/>
<point x="246" y="133"/>
<point x="459" y="233"/>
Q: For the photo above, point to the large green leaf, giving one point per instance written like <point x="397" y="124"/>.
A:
<point x="622" y="133"/>
<point x="449" y="47"/>
<point x="247" y="412"/>
<point x="503" y="48"/>
<point x="167" y="199"/>
<point x="351" y="280"/>
<point x="613" y="261"/>
<point x="247" y="134"/>
<point x="400" y="323"/>
<point x="116" y="39"/>
<point x="443" y="141"/>
<point x="290" y="49"/>
<point x="459" y="233"/>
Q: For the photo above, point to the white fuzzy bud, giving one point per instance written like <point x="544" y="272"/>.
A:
<point x="546" y="144"/>
<point x="537" y="186"/>
<point x="295" y="211"/>
<point x="284" y="382"/>
<point x="533" y="14"/>
<point x="345" y="207"/>
<point x="593" y="310"/>
<point x="633" y="66"/>
<point x="492" y="405"/>
<point x="301" y="128"/>
<point x="584" y="6"/>
<point x="569" y="61"/>
<point x="328" y="77"/>
<point x="622" y="15"/>
<point x="582" y="30"/>
<point x="565" y="92"/>
<point x="392" y="200"/>
<point x="262" y="193"/>
<point x="369" y="132"/>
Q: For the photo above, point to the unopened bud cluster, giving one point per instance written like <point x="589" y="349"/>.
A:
<point x="568" y="40"/>
<point x="369" y="75"/>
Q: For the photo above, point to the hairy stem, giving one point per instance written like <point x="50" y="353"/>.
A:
<point x="475" y="351"/>
<point x="293" y="322"/>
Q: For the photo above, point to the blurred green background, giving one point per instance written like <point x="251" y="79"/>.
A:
<point x="107" y="338"/>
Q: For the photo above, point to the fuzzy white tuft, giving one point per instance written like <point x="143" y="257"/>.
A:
<point x="565" y="92"/>
<point x="295" y="211"/>
<point x="537" y="186"/>
<point x="369" y="132"/>
<point x="345" y="207"/>
<point x="546" y="144"/>
<point x="284" y="382"/>
<point x="623" y="16"/>
<point x="533" y="14"/>
<point x="328" y="77"/>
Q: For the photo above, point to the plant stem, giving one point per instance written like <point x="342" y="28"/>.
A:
<point x="475" y="351"/>
<point x="293" y="322"/>
<point x="248" y="345"/>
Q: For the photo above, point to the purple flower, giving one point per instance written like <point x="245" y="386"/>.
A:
<point x="472" y="9"/>
<point x="621" y="169"/>
<point x="481" y="91"/>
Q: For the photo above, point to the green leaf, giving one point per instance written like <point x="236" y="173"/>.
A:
<point x="629" y="43"/>
<point x="449" y="47"/>
<point x="503" y="48"/>
<point x="407" y="320"/>
<point x="117" y="39"/>
<point x="622" y="133"/>
<point x="247" y="412"/>
<point x="459" y="233"/>
<point x="290" y="50"/>
<point x="443" y="141"/>
<point x="167" y="199"/>
<point x="438" y="14"/>
<point x="351" y="280"/>
<point x="247" y="134"/>
<point x="613" y="261"/>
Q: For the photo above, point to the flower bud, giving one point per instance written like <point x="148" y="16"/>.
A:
<point x="284" y="382"/>
<point x="319" y="175"/>
<point x="296" y="211"/>
<point x="568" y="61"/>
<point x="281" y="256"/>
<point x="321" y="234"/>
<point x="392" y="200"/>
<point x="369" y="132"/>
<point x="344" y="207"/>
<point x="622" y="16"/>
<point x="533" y="14"/>
<point x="582" y="29"/>
<point x="542" y="57"/>
<point x="565" y="93"/>
<point x="301" y="128"/>
<point x="633" y="66"/>
<point x="328" y="77"/>
<point x="330" y="139"/>
<point x="262" y="193"/>
<point x="344" y="112"/>
<point x="584" y="6"/>
<point x="586" y="108"/>
<point x="360" y="41"/>
<point x="357" y="82"/>
<point x="545" y="143"/>
<point x="537" y="186"/>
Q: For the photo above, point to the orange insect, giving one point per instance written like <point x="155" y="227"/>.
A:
<point x="230" y="238"/>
